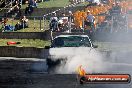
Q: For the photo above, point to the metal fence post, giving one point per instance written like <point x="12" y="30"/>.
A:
<point x="34" y="22"/>
<point x="83" y="25"/>
<point x="111" y="25"/>
<point x="64" y="10"/>
<point x="12" y="22"/>
<point x="23" y="24"/>
<point x="69" y="24"/>
<point x="40" y="23"/>
<point x="44" y="20"/>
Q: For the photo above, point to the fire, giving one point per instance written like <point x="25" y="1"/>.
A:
<point x="81" y="71"/>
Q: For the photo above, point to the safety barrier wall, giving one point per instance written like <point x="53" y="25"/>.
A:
<point x="26" y="52"/>
<point x="25" y="35"/>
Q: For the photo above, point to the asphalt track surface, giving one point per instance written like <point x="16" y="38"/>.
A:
<point x="22" y="74"/>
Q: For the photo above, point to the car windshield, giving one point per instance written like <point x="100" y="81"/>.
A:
<point x="71" y="41"/>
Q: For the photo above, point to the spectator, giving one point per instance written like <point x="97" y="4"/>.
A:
<point x="116" y="9"/>
<point x="15" y="10"/>
<point x="18" y="26"/>
<point x="90" y="21"/>
<point x="90" y="1"/>
<point x="105" y="1"/>
<point x="31" y="2"/>
<point x="8" y="28"/>
<point x="10" y="11"/>
<point x="63" y="21"/>
<point x="4" y="21"/>
<point x="70" y="21"/>
<point x="16" y="3"/>
<point x="24" y="22"/>
<point x="19" y="13"/>
<point x="70" y="17"/>
<point x="54" y="23"/>
<point x="28" y="10"/>
<point x="35" y="4"/>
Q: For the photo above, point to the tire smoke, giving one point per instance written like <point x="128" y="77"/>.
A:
<point x="89" y="58"/>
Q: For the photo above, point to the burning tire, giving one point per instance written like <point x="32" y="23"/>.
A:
<point x="82" y="80"/>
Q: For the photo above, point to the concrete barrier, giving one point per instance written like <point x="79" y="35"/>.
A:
<point x="25" y="52"/>
<point x="34" y="35"/>
<point x="24" y="35"/>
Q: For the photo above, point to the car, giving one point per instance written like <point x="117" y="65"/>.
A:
<point x="62" y="45"/>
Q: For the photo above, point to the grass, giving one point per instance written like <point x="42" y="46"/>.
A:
<point x="102" y="46"/>
<point x="34" y="25"/>
<point x="51" y="3"/>
<point x="26" y="42"/>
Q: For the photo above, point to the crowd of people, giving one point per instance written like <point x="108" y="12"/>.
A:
<point x="95" y="16"/>
<point x="15" y="12"/>
<point x="106" y="16"/>
<point x="21" y="24"/>
<point x="59" y="23"/>
<point x="15" y="8"/>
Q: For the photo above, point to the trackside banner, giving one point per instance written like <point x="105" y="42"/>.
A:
<point x="107" y="78"/>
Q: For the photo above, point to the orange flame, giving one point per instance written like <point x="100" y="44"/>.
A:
<point x="81" y="71"/>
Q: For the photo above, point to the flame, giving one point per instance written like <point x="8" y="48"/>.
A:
<point x="81" y="71"/>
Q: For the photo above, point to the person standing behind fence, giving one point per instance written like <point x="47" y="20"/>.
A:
<point x="90" y="21"/>
<point x="54" y="23"/>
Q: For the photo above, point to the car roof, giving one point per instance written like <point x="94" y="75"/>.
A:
<point x="71" y="35"/>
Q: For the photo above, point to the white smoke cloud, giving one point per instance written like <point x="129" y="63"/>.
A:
<point x="90" y="59"/>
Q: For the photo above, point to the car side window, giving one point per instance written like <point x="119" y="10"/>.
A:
<point x="57" y="42"/>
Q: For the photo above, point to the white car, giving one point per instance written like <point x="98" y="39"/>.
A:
<point x="63" y="45"/>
